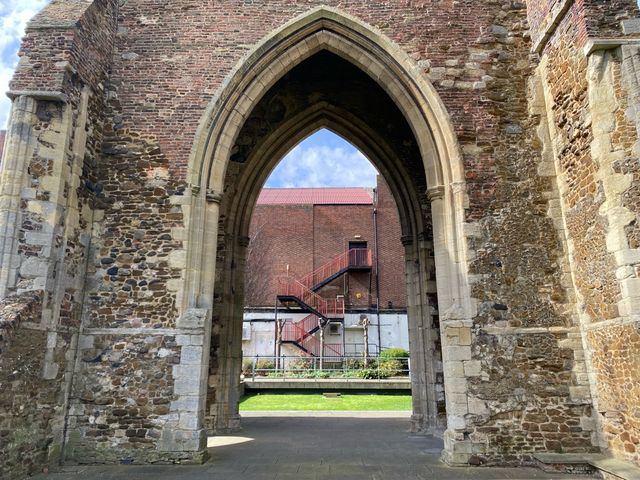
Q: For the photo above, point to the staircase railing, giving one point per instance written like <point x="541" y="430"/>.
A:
<point x="297" y="331"/>
<point x="300" y="331"/>
<point x="354" y="257"/>
<point x="289" y="286"/>
<point x="312" y="345"/>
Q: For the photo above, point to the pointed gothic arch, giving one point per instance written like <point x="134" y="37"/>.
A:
<point x="392" y="69"/>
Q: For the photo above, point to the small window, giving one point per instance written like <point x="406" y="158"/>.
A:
<point x="357" y="244"/>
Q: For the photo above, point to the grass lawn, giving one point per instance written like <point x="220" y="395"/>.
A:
<point x="315" y="401"/>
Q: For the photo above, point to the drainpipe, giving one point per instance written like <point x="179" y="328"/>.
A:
<point x="375" y="242"/>
<point x="276" y="338"/>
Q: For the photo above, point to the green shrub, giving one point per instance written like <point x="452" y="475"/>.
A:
<point x="394" y="352"/>
<point x="373" y="373"/>
<point x="395" y="360"/>
<point x="353" y="363"/>
<point x="301" y="364"/>
<point x="247" y="366"/>
<point x="264" y="364"/>
<point x="391" y="367"/>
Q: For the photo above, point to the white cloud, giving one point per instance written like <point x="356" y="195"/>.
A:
<point x="312" y="165"/>
<point x="14" y="16"/>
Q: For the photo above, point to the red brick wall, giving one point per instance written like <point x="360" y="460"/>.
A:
<point x="390" y="251"/>
<point x="334" y="226"/>
<point x="307" y="236"/>
<point x="280" y="235"/>
<point x="592" y="18"/>
<point x="79" y="35"/>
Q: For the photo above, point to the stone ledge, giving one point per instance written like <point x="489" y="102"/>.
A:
<point x="582" y="462"/>
<point x="54" y="96"/>
<point x="595" y="44"/>
<point x="59" y="15"/>
<point x="617" y="468"/>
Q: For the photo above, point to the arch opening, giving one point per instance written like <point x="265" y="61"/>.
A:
<point x="325" y="90"/>
<point x="319" y="81"/>
<point x="323" y="159"/>
<point x="333" y="229"/>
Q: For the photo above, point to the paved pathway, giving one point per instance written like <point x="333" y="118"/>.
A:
<point x="312" y="448"/>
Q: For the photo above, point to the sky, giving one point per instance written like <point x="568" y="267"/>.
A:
<point x="321" y="160"/>
<point x="14" y="15"/>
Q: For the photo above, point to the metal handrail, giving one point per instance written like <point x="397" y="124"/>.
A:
<point x="289" y="286"/>
<point x="354" y="257"/>
<point x="330" y="366"/>
<point x="296" y="331"/>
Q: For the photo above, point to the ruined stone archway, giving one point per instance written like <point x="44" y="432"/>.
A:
<point x="114" y="171"/>
<point x="326" y="30"/>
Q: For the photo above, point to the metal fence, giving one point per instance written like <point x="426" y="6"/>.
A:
<point x="326" y="367"/>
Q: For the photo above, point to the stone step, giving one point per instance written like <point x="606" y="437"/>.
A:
<point x="576" y="463"/>
<point x="587" y="464"/>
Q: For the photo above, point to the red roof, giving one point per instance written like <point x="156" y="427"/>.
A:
<point x="315" y="196"/>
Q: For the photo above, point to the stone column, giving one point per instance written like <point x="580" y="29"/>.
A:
<point x="455" y="331"/>
<point x="227" y="415"/>
<point x="17" y="153"/>
<point x="429" y="335"/>
<point x="418" y="344"/>
<point x="186" y="431"/>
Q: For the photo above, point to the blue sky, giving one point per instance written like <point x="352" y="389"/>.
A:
<point x="321" y="160"/>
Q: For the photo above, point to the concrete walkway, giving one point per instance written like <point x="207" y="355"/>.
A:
<point x="318" y="448"/>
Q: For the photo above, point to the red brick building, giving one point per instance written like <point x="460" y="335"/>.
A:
<point x="296" y="231"/>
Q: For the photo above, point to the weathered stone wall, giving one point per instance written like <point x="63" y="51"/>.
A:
<point x="29" y="404"/>
<point x="48" y="194"/>
<point x="126" y="389"/>
<point x="591" y="97"/>
<point x="523" y="391"/>
<point x="616" y="351"/>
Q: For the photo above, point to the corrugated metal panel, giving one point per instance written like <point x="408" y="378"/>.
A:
<point x="315" y="196"/>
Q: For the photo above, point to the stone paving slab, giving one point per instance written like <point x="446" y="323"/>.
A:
<point x="313" y="448"/>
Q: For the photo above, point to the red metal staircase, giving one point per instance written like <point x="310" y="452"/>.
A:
<point x="300" y="295"/>
<point x="352" y="259"/>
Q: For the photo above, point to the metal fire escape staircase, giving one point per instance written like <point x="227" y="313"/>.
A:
<point x="300" y="296"/>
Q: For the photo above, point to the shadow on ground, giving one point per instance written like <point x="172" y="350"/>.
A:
<point x="286" y="448"/>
